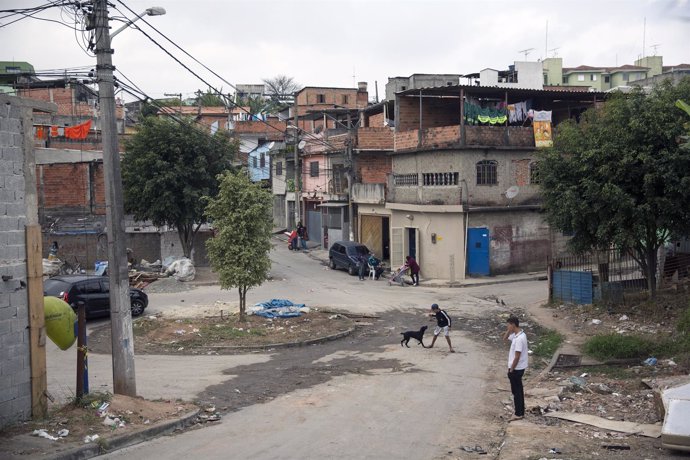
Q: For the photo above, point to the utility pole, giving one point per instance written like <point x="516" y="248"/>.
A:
<point x="124" y="381"/>
<point x="350" y="171"/>
<point x="298" y="170"/>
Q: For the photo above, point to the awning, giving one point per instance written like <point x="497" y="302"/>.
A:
<point x="332" y="205"/>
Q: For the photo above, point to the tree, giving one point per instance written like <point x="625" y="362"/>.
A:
<point x="167" y="168"/>
<point x="620" y="178"/>
<point x="241" y="217"/>
<point x="210" y="98"/>
<point x="281" y="87"/>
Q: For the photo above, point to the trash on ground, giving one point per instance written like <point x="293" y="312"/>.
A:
<point x="651" y="361"/>
<point x="63" y="433"/>
<point x="42" y="433"/>
<point x="475" y="449"/>
<point x="648" y="430"/>
<point x="182" y="270"/>
<point x="90" y="438"/>
<point x="278" y="308"/>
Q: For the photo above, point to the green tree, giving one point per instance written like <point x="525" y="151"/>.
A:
<point x="167" y="168"/>
<point x="241" y="217"/>
<point x="210" y="98"/>
<point x="620" y="178"/>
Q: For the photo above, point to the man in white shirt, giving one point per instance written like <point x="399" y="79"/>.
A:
<point x="517" y="363"/>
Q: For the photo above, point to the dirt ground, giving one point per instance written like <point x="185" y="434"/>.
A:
<point x="223" y="334"/>
<point x="72" y="423"/>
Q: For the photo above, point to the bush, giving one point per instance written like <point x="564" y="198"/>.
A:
<point x="683" y="324"/>
<point x="615" y="346"/>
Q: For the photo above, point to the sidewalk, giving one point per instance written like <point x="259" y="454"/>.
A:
<point x="321" y="255"/>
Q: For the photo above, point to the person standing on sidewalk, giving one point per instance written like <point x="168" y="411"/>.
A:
<point x="302" y="234"/>
<point x="442" y="325"/>
<point x="517" y="363"/>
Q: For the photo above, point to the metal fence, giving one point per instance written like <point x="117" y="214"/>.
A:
<point x="614" y="273"/>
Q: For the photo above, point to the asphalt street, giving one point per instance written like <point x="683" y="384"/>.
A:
<point x="359" y="397"/>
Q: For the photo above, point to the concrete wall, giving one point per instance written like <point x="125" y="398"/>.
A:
<point x="446" y="258"/>
<point x="419" y="80"/>
<point x="512" y="169"/>
<point x="553" y="69"/>
<point x="521" y="241"/>
<point x="17" y="209"/>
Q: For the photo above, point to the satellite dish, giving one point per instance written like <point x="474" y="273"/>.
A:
<point x="301" y="144"/>
<point x="271" y="145"/>
<point x="512" y="192"/>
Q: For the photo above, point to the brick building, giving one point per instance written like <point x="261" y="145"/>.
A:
<point x="461" y="187"/>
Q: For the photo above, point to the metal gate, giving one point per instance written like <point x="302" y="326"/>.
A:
<point x="371" y="233"/>
<point x="314" y="226"/>
<point x="478" y="251"/>
<point x="572" y="286"/>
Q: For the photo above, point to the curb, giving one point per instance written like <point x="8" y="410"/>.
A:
<point x="316" y="341"/>
<point x="119" y="442"/>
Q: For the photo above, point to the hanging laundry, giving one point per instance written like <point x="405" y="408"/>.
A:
<point x="40" y="132"/>
<point x="54" y="131"/>
<point x="78" y="131"/>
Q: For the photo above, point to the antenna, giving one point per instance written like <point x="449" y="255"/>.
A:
<point x="512" y="192"/>
<point x="644" y="35"/>
<point x="554" y="51"/>
<point x="354" y="77"/>
<point x="546" y="41"/>
<point x="526" y="52"/>
<point x="655" y="47"/>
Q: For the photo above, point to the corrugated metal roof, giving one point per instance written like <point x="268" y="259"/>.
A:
<point x="454" y="90"/>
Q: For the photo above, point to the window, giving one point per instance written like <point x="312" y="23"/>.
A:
<point x="486" y="173"/>
<point x="626" y="76"/>
<point x="254" y="162"/>
<point x="344" y="99"/>
<point x="546" y="79"/>
<point x="279" y="168"/>
<point x="90" y="287"/>
<point x="607" y="78"/>
<point x="440" y="179"/>
<point x="565" y="80"/>
<point x="534" y="172"/>
<point x="403" y="88"/>
<point x="263" y="160"/>
<point x="320" y="98"/>
<point x="580" y="77"/>
<point x="314" y="169"/>
<point x="593" y="77"/>
<point x="405" y="179"/>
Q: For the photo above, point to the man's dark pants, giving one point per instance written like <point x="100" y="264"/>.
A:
<point x="515" y="378"/>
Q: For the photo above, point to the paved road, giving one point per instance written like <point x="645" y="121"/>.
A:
<point x="361" y="397"/>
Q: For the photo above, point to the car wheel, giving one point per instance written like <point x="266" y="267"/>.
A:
<point x="137" y="307"/>
<point x="352" y="270"/>
<point x="331" y="263"/>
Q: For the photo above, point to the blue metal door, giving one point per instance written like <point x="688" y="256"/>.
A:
<point x="478" y="251"/>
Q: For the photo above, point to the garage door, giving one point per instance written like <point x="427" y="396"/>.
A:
<point x="370" y="234"/>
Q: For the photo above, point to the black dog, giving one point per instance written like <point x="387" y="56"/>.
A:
<point x="419" y="335"/>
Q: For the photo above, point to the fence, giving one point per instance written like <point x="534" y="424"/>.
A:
<point x="609" y="275"/>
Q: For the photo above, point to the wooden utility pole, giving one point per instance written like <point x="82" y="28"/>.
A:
<point x="124" y="381"/>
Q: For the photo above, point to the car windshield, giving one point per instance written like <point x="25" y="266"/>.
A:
<point x="54" y="288"/>
<point x="358" y="251"/>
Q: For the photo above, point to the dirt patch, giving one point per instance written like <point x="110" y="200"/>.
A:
<point x="223" y="334"/>
<point x="73" y="422"/>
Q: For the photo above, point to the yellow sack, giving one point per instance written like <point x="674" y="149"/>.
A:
<point x="60" y="320"/>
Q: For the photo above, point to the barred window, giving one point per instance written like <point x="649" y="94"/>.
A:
<point x="279" y="168"/>
<point x="486" y="172"/>
<point x="534" y="173"/>
<point x="314" y="169"/>
<point x="440" y="179"/>
<point x="406" y="179"/>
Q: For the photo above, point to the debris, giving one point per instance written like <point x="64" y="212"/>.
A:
<point x="623" y="318"/>
<point x="675" y="433"/>
<point x="475" y="449"/>
<point x="651" y="431"/>
<point x="615" y="447"/>
<point x="90" y="438"/>
<point x="555" y="450"/>
<point x="651" y="361"/>
<point x="63" y="433"/>
<point x="42" y="433"/>
<point x="102" y="409"/>
<point x="596" y="321"/>
<point x="602" y="389"/>
<point x="237" y="390"/>
<point x="111" y="422"/>
<point x="210" y="409"/>
<point x="578" y="382"/>
<point x="278" y="308"/>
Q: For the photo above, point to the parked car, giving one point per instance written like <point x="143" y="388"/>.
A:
<point x="346" y="254"/>
<point x="94" y="291"/>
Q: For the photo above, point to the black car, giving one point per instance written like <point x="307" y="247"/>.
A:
<point x="94" y="291"/>
<point x="348" y="255"/>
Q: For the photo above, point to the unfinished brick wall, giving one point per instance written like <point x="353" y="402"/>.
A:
<point x="373" y="168"/>
<point x="406" y="140"/>
<point x="520" y="169"/>
<point x="434" y="113"/>
<point x="63" y="97"/>
<point x="69" y="188"/>
<point x="441" y="137"/>
<point x="375" y="120"/>
<point x="375" y="138"/>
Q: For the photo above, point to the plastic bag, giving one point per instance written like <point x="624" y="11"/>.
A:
<point x="182" y="270"/>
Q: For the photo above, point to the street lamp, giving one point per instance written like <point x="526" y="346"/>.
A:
<point x="153" y="11"/>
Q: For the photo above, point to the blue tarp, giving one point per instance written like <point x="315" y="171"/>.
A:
<point x="278" y="308"/>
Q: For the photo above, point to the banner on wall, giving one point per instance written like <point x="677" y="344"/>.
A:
<point x="542" y="129"/>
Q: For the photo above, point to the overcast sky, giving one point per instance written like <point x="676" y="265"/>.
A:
<point x="338" y="42"/>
